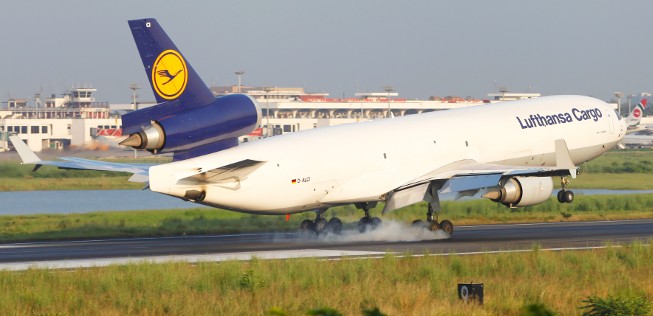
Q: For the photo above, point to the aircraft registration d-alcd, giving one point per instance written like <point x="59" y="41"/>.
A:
<point x="506" y="152"/>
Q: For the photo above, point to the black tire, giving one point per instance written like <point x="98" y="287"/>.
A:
<point x="447" y="226"/>
<point x="568" y="196"/>
<point x="560" y="197"/>
<point x="334" y="225"/>
<point x="363" y="224"/>
<point x="306" y="226"/>
<point x="433" y="226"/>
<point x="376" y="222"/>
<point x="319" y="225"/>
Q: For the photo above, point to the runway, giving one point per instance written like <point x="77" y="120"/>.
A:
<point x="393" y="238"/>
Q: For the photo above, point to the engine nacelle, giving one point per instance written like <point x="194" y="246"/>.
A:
<point x="184" y="130"/>
<point x="522" y="191"/>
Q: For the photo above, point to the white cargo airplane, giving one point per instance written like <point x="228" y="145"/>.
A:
<point x="507" y="152"/>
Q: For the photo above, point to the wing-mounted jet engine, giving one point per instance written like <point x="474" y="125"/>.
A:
<point x="521" y="191"/>
<point x="188" y="121"/>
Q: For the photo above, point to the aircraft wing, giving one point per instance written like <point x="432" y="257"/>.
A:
<point x="467" y="177"/>
<point x="139" y="171"/>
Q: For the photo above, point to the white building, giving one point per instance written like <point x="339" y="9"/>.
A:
<point x="292" y="109"/>
<point x="72" y="120"/>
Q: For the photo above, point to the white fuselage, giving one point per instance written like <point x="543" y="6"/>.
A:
<point x="362" y="162"/>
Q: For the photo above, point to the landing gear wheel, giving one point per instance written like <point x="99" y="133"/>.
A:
<point x="367" y="222"/>
<point x="319" y="225"/>
<point x="433" y="226"/>
<point x="363" y="224"/>
<point x="334" y="226"/>
<point x="568" y="196"/>
<point x="447" y="226"/>
<point x="565" y="196"/>
<point x="306" y="226"/>
<point x="376" y="222"/>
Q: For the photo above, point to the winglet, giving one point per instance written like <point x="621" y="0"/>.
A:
<point x="563" y="158"/>
<point x="26" y="154"/>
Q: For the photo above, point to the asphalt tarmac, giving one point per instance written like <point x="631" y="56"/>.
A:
<point x="395" y="238"/>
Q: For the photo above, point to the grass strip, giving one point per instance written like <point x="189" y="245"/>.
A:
<point x="215" y="221"/>
<point x="423" y="285"/>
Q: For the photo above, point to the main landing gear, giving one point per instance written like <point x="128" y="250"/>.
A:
<point x="432" y="223"/>
<point x="564" y="195"/>
<point x="367" y="223"/>
<point x="320" y="225"/>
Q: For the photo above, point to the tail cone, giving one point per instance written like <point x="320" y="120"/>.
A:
<point x="134" y="140"/>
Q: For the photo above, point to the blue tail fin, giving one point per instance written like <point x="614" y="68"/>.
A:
<point x="170" y="75"/>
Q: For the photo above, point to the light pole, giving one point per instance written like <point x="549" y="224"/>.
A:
<point x="619" y="95"/>
<point x="239" y="73"/>
<point x="630" y="97"/>
<point x="388" y="89"/>
<point x="267" y="110"/>
<point x="134" y="87"/>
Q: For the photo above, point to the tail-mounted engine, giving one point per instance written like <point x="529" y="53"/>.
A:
<point x="191" y="132"/>
<point x="522" y="191"/>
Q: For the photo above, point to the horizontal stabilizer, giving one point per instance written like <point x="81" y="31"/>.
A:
<point x="237" y="171"/>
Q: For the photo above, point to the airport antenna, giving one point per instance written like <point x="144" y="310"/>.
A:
<point x="388" y="89"/>
<point x="134" y="87"/>
<point x="619" y="95"/>
<point x="267" y="110"/>
<point x="239" y="73"/>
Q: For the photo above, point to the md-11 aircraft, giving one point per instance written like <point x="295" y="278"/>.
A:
<point x="507" y="152"/>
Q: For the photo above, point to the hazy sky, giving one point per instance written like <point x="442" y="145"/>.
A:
<point x="421" y="48"/>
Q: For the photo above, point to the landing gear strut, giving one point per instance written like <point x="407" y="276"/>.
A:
<point x="564" y="195"/>
<point x="367" y="222"/>
<point x="321" y="225"/>
<point x="432" y="223"/>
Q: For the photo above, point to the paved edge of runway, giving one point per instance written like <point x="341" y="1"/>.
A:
<point x="246" y="256"/>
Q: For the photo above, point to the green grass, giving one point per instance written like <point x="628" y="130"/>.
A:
<point x="613" y="181"/>
<point x="44" y="184"/>
<point x="621" y="161"/>
<point x="215" y="221"/>
<point x="426" y="285"/>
